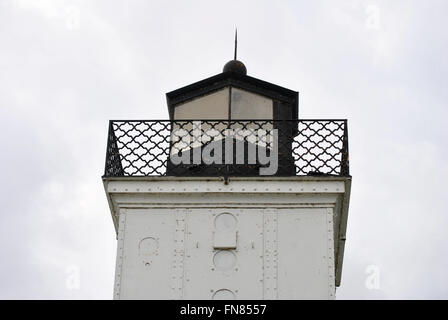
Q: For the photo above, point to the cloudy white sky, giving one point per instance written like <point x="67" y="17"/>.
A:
<point x="68" y="66"/>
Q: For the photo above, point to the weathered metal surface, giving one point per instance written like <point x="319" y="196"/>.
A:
<point x="274" y="242"/>
<point x="270" y="255"/>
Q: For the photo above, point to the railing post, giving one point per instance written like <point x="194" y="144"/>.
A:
<point x="113" y="162"/>
<point x="345" y="167"/>
<point x="109" y="132"/>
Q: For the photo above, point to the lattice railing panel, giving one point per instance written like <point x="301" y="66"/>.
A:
<point x="303" y="147"/>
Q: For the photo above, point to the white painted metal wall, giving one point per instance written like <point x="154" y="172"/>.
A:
<point x="202" y="239"/>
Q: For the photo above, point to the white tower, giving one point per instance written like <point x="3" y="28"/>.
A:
<point x="234" y="197"/>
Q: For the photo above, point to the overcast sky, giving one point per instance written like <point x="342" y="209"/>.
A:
<point x="67" y="67"/>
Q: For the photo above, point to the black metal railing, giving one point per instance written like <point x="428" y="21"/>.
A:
<point x="227" y="148"/>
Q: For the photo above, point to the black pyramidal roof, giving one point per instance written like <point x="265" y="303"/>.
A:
<point x="280" y="95"/>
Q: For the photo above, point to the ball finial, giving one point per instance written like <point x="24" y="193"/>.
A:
<point x="235" y="66"/>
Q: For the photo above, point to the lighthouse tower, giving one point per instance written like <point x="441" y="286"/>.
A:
<point x="233" y="197"/>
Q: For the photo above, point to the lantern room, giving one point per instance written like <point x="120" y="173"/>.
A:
<point x="241" y="119"/>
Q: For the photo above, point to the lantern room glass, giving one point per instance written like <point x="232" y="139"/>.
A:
<point x="244" y="105"/>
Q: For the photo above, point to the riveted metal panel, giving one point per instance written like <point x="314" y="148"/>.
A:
<point x="308" y="185"/>
<point x="303" y="268"/>
<point x="204" y="277"/>
<point x="284" y="246"/>
<point x="148" y="254"/>
<point x="177" y="266"/>
<point x="270" y="254"/>
<point x="330" y="255"/>
<point x="120" y="254"/>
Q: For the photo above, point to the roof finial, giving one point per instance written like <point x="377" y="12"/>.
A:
<point x="236" y="42"/>
<point x="234" y="65"/>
